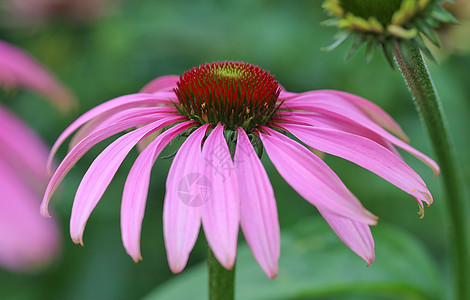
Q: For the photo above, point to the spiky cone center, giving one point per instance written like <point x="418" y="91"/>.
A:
<point x="232" y="93"/>
<point x="389" y="23"/>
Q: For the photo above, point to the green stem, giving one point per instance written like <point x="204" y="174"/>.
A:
<point x="425" y="97"/>
<point x="221" y="281"/>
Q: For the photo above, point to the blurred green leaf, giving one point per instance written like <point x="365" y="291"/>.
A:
<point x="315" y="263"/>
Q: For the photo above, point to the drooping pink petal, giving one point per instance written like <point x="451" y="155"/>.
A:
<point x="101" y="172"/>
<point x="336" y="106"/>
<point x="115" y="105"/>
<point x="312" y="178"/>
<point x="22" y="148"/>
<point x="258" y="211"/>
<point x="135" y="192"/>
<point x="83" y="146"/>
<point x="17" y="68"/>
<point x="324" y="121"/>
<point x="112" y="117"/>
<point x="26" y="239"/>
<point x="373" y="111"/>
<point x="366" y="154"/>
<point x="355" y="235"/>
<point x="221" y="212"/>
<point x="285" y="95"/>
<point x="186" y="190"/>
<point x="162" y="83"/>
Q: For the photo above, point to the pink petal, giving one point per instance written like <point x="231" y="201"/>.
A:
<point x="17" y="68"/>
<point x="329" y="122"/>
<point x="285" y="95"/>
<point x="312" y="178"/>
<point x="258" y="211"/>
<point x="22" y="148"/>
<point x="377" y="114"/>
<point x="114" y="117"/>
<point x="366" y="154"/>
<point x="355" y="235"/>
<point x="100" y="174"/>
<point x="115" y="105"/>
<point x="221" y="213"/>
<point x="83" y="146"/>
<point x="162" y="83"/>
<point x="136" y="188"/>
<point x="333" y="105"/>
<point x="26" y="239"/>
<point x="185" y="192"/>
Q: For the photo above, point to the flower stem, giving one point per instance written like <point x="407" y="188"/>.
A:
<point x="221" y="281"/>
<point x="425" y="97"/>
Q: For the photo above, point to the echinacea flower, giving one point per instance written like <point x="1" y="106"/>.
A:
<point x="230" y="112"/>
<point x="26" y="239"/>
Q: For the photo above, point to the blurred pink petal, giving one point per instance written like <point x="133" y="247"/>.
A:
<point x="22" y="148"/>
<point x="19" y="69"/>
<point x="26" y="239"/>
<point x="37" y="12"/>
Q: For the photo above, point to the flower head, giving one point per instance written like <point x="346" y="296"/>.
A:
<point x="386" y="23"/>
<point x="26" y="239"/>
<point x="230" y="112"/>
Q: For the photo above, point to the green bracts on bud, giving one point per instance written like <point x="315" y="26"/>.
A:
<point x="386" y="23"/>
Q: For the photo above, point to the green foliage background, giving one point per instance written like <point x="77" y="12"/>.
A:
<point x="137" y="41"/>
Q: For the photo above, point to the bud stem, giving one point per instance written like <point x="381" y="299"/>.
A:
<point x="426" y="100"/>
<point x="221" y="281"/>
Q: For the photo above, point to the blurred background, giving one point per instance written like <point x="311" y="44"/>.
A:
<point x="102" y="49"/>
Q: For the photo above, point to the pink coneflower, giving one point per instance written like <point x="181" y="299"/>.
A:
<point x="26" y="239"/>
<point x="230" y="112"/>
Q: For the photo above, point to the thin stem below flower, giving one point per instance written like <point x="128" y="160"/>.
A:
<point x="221" y="280"/>
<point x="426" y="100"/>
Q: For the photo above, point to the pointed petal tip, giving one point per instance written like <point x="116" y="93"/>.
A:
<point x="373" y="217"/>
<point x="177" y="268"/>
<point x="44" y="210"/>
<point x="77" y="239"/>
<point x="370" y="260"/>
<point x="135" y="255"/>
<point x="137" y="258"/>
<point x="272" y="276"/>
<point x="436" y="171"/>
<point x="272" y="272"/>
<point x="228" y="264"/>
<point x="78" y="242"/>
